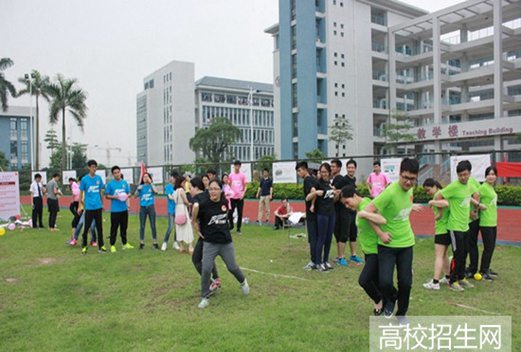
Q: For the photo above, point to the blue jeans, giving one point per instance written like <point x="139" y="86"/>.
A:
<point x="171" y="218"/>
<point x="79" y="227"/>
<point x="143" y="212"/>
<point x="325" y="227"/>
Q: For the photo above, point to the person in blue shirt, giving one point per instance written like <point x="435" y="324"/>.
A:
<point x="91" y="189"/>
<point x="169" y="191"/>
<point x="117" y="192"/>
<point x="145" y="192"/>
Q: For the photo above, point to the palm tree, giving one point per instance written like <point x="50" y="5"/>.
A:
<point x="36" y="85"/>
<point x="66" y="96"/>
<point x="5" y="86"/>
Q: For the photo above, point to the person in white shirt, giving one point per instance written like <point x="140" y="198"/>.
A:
<point x="37" y="192"/>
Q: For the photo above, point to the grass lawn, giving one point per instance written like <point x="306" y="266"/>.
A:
<point x="54" y="299"/>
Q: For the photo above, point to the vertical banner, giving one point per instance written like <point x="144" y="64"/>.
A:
<point x="44" y="176"/>
<point x="479" y="165"/>
<point x="284" y="172"/>
<point x="128" y="175"/>
<point x="68" y="174"/>
<point x="101" y="173"/>
<point x="391" y="167"/>
<point x="245" y="169"/>
<point x="157" y="174"/>
<point x="9" y="195"/>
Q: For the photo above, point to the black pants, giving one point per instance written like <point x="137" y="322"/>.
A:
<point x="388" y="258"/>
<point x="311" y="225"/>
<point x="239" y="204"/>
<point x="459" y="253"/>
<point x="197" y="259"/>
<point x="119" y="219"/>
<point x="488" y="234"/>
<point x="368" y="279"/>
<point x="279" y="222"/>
<point x="89" y="216"/>
<point x="472" y="246"/>
<point x="37" y="215"/>
<point x="73" y="207"/>
<point x="53" y="207"/>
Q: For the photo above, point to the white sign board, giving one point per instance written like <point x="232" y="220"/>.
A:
<point x="284" y="172"/>
<point x="128" y="175"/>
<point x="245" y="169"/>
<point x="157" y="174"/>
<point x="101" y="173"/>
<point x="9" y="194"/>
<point x="391" y="167"/>
<point x="68" y="174"/>
<point x="479" y="165"/>
<point x="44" y="176"/>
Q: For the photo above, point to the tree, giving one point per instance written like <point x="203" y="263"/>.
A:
<point x="66" y="96"/>
<point x="36" y="85"/>
<point x="340" y="131"/>
<point x="396" y="130"/>
<point x="55" y="160"/>
<point x="316" y="155"/>
<point x="6" y="87"/>
<point x="51" y="138"/>
<point x="79" y="155"/>
<point x="266" y="162"/>
<point x="4" y="163"/>
<point x="211" y="142"/>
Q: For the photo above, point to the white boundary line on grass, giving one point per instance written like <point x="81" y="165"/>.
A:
<point x="476" y="309"/>
<point x="275" y="275"/>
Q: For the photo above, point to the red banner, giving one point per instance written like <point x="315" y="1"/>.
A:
<point x="506" y="169"/>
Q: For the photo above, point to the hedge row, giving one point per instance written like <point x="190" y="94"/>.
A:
<point x="507" y="195"/>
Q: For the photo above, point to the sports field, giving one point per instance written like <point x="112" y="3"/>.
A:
<point x="54" y="299"/>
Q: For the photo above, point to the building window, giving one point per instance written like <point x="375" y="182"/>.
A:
<point x="334" y="32"/>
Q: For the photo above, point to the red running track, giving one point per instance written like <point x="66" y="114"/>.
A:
<point x="422" y="223"/>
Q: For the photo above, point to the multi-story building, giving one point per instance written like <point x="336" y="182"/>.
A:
<point x="15" y="136"/>
<point x="237" y="100"/>
<point x="165" y="115"/>
<point x="453" y="73"/>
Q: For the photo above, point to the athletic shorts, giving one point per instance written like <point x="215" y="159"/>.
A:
<point x="353" y="230"/>
<point x="342" y="223"/>
<point x="443" y="239"/>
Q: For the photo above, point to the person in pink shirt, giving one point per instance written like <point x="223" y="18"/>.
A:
<point x="237" y="181"/>
<point x="377" y="180"/>
<point x="73" y="207"/>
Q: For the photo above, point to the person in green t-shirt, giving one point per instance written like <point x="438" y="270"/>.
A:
<point x="368" y="239"/>
<point x="460" y="194"/>
<point x="396" y="238"/>
<point x="488" y="221"/>
<point x="441" y="235"/>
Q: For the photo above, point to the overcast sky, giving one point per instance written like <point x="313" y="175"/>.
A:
<point x="110" y="45"/>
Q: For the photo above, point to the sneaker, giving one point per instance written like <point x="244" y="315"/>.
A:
<point x="378" y="312"/>
<point x="258" y="223"/>
<point x="402" y="320"/>
<point x="465" y="283"/>
<point x="336" y="260"/>
<point x="389" y="310"/>
<point x="93" y="243"/>
<point x="444" y="281"/>
<point x="175" y="246"/>
<point x="267" y="222"/>
<point x="431" y="285"/>
<point x="102" y="250"/>
<point x="342" y="261"/>
<point x="163" y="247"/>
<point x="455" y="286"/>
<point x="321" y="267"/>
<point x="141" y="246"/>
<point x="487" y="277"/>
<point x="356" y="259"/>
<point x="245" y="288"/>
<point x="328" y="266"/>
<point x="156" y="246"/>
<point x="216" y="284"/>
<point x="73" y="242"/>
<point x="492" y="273"/>
<point x="309" y="266"/>
<point x="128" y="246"/>
<point x="468" y="274"/>
<point x="205" y="302"/>
<point x="113" y="249"/>
<point x="239" y="232"/>
<point x="84" y="250"/>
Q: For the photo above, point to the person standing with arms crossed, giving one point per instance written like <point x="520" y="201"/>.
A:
<point x="91" y="187"/>
<point x="238" y="185"/>
<point x="342" y="217"/>
<point x="265" y="195"/>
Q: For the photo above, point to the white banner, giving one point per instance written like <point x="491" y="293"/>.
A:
<point x="128" y="175"/>
<point x="68" y="174"/>
<point x="10" y="195"/>
<point x="245" y="169"/>
<point x="157" y="174"/>
<point x="44" y="176"/>
<point x="284" y="172"/>
<point x="391" y="167"/>
<point x="102" y="174"/>
<point x="479" y="165"/>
